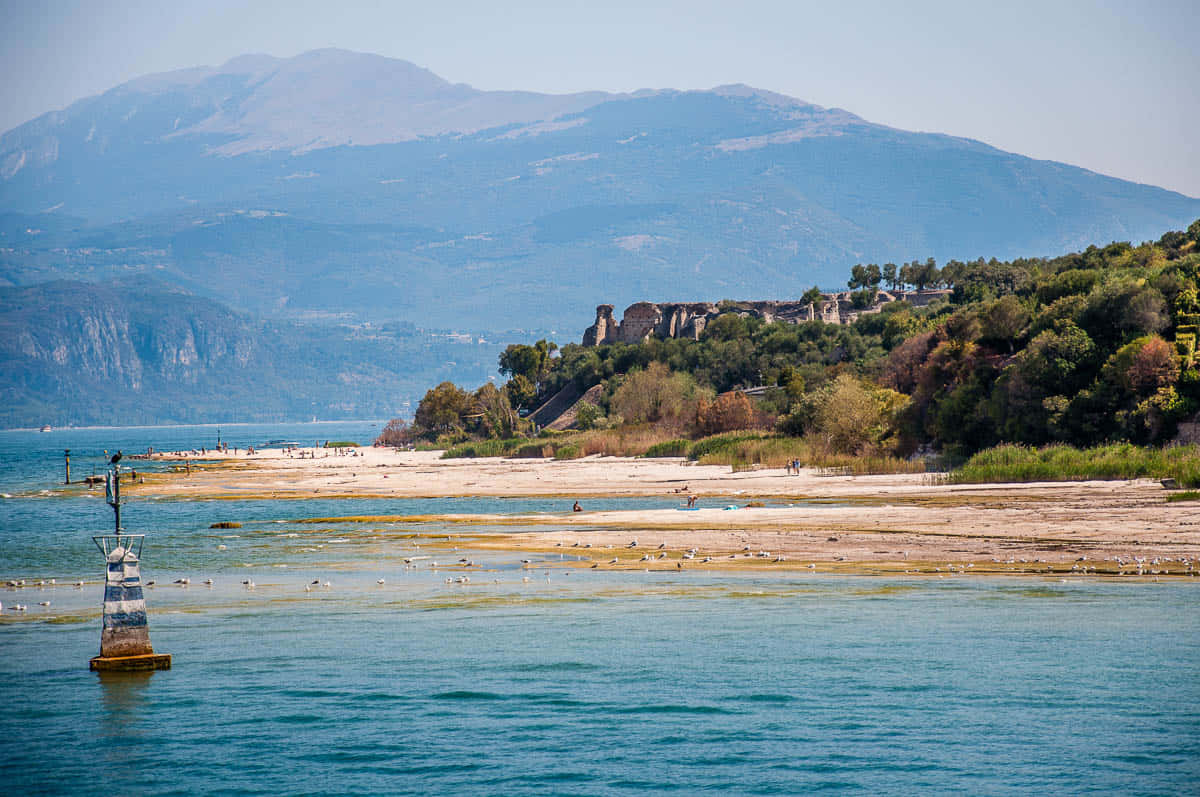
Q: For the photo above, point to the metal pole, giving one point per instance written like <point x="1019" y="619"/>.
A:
<point x="67" y="457"/>
<point x="113" y="479"/>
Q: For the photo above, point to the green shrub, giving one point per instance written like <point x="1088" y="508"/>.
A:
<point x="1015" y="463"/>
<point x="534" y="451"/>
<point x="568" y="451"/>
<point x="340" y="444"/>
<point x="719" y="442"/>
<point x="484" y="448"/>
<point x="669" y="448"/>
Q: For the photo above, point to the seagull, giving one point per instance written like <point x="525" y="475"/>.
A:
<point x="315" y="581"/>
<point x="613" y="561"/>
<point x="43" y="603"/>
<point x="151" y="583"/>
<point x="249" y="584"/>
<point x="380" y="581"/>
<point x="208" y="581"/>
<point x="326" y="585"/>
<point x="183" y="581"/>
<point x="661" y="546"/>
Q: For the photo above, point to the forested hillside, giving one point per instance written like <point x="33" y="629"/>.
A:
<point x="1089" y="347"/>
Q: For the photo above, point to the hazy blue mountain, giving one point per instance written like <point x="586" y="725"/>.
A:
<point x="79" y="353"/>
<point x="335" y="183"/>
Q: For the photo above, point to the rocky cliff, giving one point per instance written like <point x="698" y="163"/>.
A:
<point x="80" y="353"/>
<point x="643" y="320"/>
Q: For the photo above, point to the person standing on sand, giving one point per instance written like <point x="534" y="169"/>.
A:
<point x="577" y="507"/>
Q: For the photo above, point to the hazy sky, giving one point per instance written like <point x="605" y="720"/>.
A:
<point x="1111" y="86"/>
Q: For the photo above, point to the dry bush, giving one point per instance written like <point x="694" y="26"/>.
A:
<point x="657" y="396"/>
<point x="726" y="413"/>
<point x="396" y="433"/>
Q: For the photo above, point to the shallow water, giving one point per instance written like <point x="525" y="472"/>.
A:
<point x="588" y="683"/>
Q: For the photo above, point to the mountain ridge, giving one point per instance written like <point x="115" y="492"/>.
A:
<point x="732" y="192"/>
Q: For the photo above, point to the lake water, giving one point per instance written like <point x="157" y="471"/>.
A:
<point x="587" y="683"/>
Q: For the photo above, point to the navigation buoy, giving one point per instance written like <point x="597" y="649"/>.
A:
<point x="125" y="635"/>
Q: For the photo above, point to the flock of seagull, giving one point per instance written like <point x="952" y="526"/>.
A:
<point x="1121" y="565"/>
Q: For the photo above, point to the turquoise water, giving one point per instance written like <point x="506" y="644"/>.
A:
<point x="587" y="683"/>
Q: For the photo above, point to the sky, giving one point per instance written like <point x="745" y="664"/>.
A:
<point x="1109" y="86"/>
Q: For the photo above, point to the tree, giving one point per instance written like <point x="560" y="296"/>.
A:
<point x="726" y="413"/>
<point x="813" y="296"/>
<point x="864" y="277"/>
<point x="441" y="410"/>
<point x="396" y="433"/>
<point x="491" y="415"/>
<point x="657" y="396"/>
<point x="1059" y="360"/>
<point x="531" y="362"/>
<point x="1154" y="366"/>
<point x="1003" y="320"/>
<point x="891" y="275"/>
<point x="923" y="275"/>
<point x="521" y="393"/>
<point x="587" y="415"/>
<point x="851" y="417"/>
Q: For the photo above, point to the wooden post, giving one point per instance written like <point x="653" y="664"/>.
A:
<point x="67" y="458"/>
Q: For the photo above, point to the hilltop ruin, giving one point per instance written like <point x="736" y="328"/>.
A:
<point x="643" y="320"/>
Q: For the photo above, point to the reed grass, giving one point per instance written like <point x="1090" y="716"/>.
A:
<point x="742" y="450"/>
<point x="485" y="448"/>
<point x="1015" y="463"/>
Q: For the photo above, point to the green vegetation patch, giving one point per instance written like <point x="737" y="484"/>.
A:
<point x="1016" y="463"/>
<point x="678" y="447"/>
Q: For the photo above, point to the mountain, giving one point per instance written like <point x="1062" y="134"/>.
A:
<point x="336" y="182"/>
<point x="79" y="353"/>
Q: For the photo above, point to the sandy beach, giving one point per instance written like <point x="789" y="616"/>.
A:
<point x="907" y="523"/>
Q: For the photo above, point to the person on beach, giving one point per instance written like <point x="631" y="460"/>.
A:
<point x="577" y="507"/>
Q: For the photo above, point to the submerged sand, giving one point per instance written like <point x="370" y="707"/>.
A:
<point x="890" y="523"/>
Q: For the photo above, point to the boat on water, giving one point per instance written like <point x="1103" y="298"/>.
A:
<point x="45" y="428"/>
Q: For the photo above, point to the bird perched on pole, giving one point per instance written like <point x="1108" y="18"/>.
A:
<point x="115" y="458"/>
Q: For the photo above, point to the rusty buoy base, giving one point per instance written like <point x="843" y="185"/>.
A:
<point x="148" y="661"/>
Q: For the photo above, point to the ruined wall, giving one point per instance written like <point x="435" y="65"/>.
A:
<point x="643" y="320"/>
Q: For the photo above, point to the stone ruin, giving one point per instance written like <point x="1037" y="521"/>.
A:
<point x="643" y="320"/>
